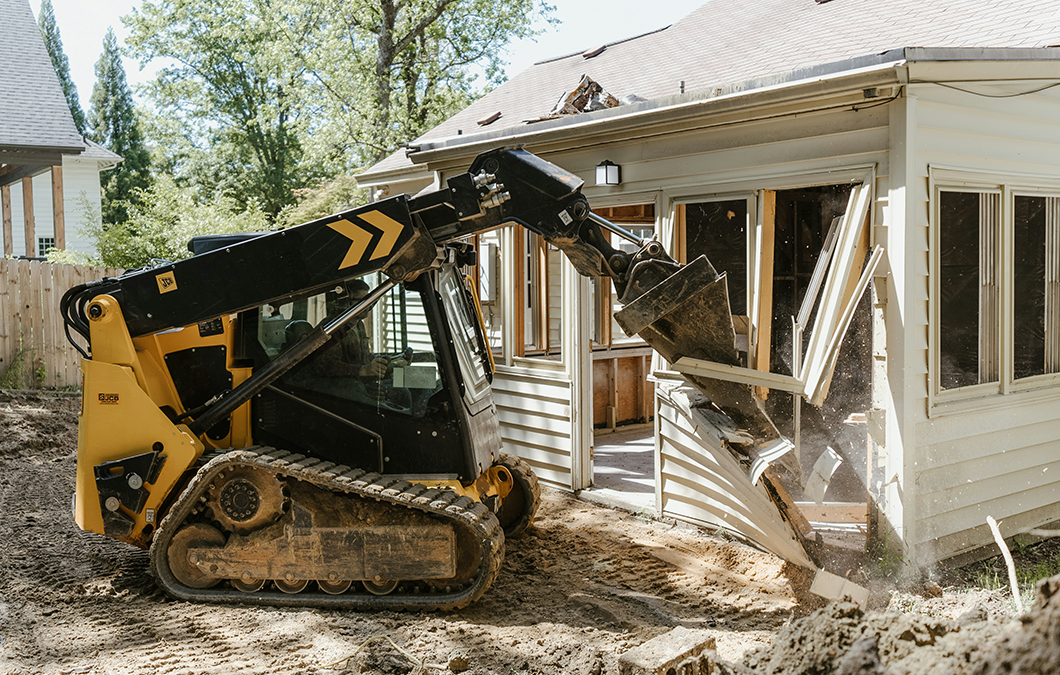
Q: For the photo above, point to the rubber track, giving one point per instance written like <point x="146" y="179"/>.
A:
<point x="461" y="511"/>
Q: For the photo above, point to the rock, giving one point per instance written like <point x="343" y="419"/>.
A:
<point x="459" y="662"/>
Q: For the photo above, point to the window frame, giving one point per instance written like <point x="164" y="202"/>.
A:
<point x="1007" y="186"/>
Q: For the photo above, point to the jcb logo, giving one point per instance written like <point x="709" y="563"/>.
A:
<point x="166" y="282"/>
<point x="108" y="399"/>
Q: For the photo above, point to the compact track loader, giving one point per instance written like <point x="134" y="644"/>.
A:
<point x="304" y="417"/>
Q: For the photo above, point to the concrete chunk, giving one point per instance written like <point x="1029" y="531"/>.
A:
<point x="662" y="655"/>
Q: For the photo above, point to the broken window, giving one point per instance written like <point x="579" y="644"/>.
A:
<point x="842" y="274"/>
<point x="968" y="288"/>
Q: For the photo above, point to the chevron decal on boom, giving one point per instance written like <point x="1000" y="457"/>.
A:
<point x="361" y="238"/>
<point x="391" y="231"/>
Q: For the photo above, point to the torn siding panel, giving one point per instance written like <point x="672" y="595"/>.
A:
<point x="702" y="481"/>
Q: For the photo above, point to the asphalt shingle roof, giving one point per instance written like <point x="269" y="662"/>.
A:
<point x="724" y="43"/>
<point x="33" y="110"/>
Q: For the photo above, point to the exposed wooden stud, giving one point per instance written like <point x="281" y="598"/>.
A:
<point x="5" y="201"/>
<point x="763" y="343"/>
<point x="679" y="234"/>
<point x="27" y="215"/>
<point x="612" y="393"/>
<point x="835" y="512"/>
<point x="58" y="210"/>
<point x="519" y="299"/>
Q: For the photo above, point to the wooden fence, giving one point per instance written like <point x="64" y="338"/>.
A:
<point x="34" y="351"/>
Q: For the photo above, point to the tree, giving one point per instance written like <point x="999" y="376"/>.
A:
<point x="232" y="88"/>
<point x="50" y="32"/>
<point x="388" y="70"/>
<point x="115" y="127"/>
<point x="274" y="95"/>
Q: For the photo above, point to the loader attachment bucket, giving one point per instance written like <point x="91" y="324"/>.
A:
<point x="687" y="314"/>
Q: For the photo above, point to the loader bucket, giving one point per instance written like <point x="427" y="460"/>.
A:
<point x="687" y="314"/>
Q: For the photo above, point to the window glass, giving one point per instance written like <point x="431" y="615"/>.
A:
<point x="718" y="230"/>
<point x="385" y="359"/>
<point x="968" y="314"/>
<point x="1029" y="286"/>
<point x="464" y="326"/>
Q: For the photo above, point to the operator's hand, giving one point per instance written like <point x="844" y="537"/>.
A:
<point x="376" y="369"/>
<point x="399" y="363"/>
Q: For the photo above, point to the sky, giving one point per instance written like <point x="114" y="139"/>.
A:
<point x="585" y="24"/>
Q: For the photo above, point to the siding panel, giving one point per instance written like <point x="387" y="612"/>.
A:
<point x="534" y="412"/>
<point x="999" y="461"/>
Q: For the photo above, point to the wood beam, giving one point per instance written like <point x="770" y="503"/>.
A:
<point x="5" y="201"/>
<point x="27" y="214"/>
<point x="58" y="208"/>
<point x="13" y="173"/>
<point x="519" y="297"/>
<point x="763" y="343"/>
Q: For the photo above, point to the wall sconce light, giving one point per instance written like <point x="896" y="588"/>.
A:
<point x="608" y="173"/>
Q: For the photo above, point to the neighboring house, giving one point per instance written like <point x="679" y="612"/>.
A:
<point x="742" y="134"/>
<point x="43" y="159"/>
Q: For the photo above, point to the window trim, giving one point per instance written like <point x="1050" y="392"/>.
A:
<point x="1007" y="391"/>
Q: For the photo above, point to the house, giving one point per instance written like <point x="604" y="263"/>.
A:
<point x="771" y="138"/>
<point x="44" y="162"/>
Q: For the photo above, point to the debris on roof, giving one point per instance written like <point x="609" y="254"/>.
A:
<point x="490" y="120"/>
<point x="586" y="97"/>
<point x="595" y="51"/>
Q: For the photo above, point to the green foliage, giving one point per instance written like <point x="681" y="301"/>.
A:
<point x="115" y="127"/>
<point x="49" y="30"/>
<point x="992" y="575"/>
<point x="264" y="97"/>
<point x="161" y="222"/>
<point x="15" y="375"/>
<point x="327" y="198"/>
<point x="884" y="555"/>
<point x="230" y="98"/>
<point x="385" y="71"/>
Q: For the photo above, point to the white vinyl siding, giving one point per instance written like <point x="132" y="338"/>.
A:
<point x="700" y="481"/>
<point x="80" y="188"/>
<point x="534" y="408"/>
<point x="996" y="454"/>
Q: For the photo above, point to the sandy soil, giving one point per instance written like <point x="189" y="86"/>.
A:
<point x="584" y="585"/>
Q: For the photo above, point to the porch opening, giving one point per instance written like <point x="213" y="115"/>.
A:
<point x="623" y="396"/>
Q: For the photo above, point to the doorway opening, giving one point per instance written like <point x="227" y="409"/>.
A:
<point x="623" y="397"/>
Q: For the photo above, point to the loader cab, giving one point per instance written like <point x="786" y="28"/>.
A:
<point x="402" y="390"/>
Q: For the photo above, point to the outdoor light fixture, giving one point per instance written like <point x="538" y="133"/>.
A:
<point x="608" y="173"/>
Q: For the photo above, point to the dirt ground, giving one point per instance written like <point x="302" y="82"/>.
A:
<point x="584" y="585"/>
